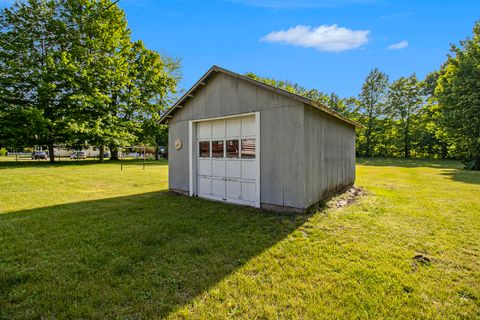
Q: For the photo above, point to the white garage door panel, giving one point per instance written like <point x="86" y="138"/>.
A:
<point x="233" y="169"/>
<point x="203" y="130"/>
<point x="248" y="126"/>
<point x="248" y="191"/>
<point x="204" y="186"/>
<point x="204" y="167"/>
<point x="233" y="190"/>
<point x="227" y="179"/>
<point x="233" y="127"/>
<point x="218" y="187"/>
<point x="248" y="169"/>
<point x="218" y="129"/>
<point x="218" y="168"/>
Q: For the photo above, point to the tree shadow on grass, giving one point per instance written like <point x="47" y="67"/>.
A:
<point x="451" y="168"/>
<point x="410" y="163"/>
<point x="137" y="256"/>
<point x="465" y="176"/>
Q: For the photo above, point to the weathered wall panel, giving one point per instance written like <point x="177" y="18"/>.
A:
<point x="293" y="156"/>
<point x="178" y="159"/>
<point x="272" y="152"/>
<point x="229" y="97"/>
<point x="247" y="97"/>
<point x="330" y="154"/>
<point x="198" y="104"/>
<point x="213" y="98"/>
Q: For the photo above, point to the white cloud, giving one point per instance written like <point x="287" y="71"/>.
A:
<point x="322" y="38"/>
<point x="298" y="4"/>
<point x="398" y="46"/>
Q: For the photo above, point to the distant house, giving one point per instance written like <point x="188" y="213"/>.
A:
<point x="91" y="152"/>
<point x="237" y="140"/>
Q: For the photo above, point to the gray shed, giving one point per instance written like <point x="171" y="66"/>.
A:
<point x="237" y="140"/>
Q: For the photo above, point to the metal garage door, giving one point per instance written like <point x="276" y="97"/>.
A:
<point x="226" y="159"/>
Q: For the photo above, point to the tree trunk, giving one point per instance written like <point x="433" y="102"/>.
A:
<point x="101" y="150"/>
<point x="368" y="143"/>
<point x="407" y="140"/>
<point x="476" y="164"/>
<point x="51" y="153"/>
<point x="368" y="136"/>
<point x="157" y="150"/>
<point x="406" y="150"/>
<point x="113" y="153"/>
<point x="444" y="150"/>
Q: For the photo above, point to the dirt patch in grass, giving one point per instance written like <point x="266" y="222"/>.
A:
<point x="347" y="198"/>
<point x="420" y="260"/>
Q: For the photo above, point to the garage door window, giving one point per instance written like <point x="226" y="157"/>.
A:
<point x="232" y="148"/>
<point x="248" y="148"/>
<point x="204" y="147"/>
<point x="217" y="149"/>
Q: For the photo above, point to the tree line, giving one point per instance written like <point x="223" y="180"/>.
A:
<point x="435" y="117"/>
<point x="70" y="74"/>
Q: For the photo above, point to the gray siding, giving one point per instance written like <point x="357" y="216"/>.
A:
<point x="282" y="164"/>
<point x="329" y="155"/>
<point x="281" y="135"/>
<point x="178" y="159"/>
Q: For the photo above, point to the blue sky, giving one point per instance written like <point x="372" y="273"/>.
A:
<point x="323" y="44"/>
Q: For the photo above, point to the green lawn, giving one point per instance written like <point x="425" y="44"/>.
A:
<point x="86" y="240"/>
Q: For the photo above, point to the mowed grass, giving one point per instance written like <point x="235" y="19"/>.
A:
<point x="86" y="240"/>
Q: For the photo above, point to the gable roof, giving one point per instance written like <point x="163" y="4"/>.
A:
<point x="216" y="69"/>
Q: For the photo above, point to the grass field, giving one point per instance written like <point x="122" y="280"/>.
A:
<point x="86" y="240"/>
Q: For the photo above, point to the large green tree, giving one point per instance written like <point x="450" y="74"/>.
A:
<point x="101" y="44"/>
<point x="404" y="100"/>
<point x="372" y="103"/>
<point x="432" y="139"/>
<point x="458" y="93"/>
<point x="32" y="86"/>
<point x="151" y="87"/>
<point x="71" y="75"/>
